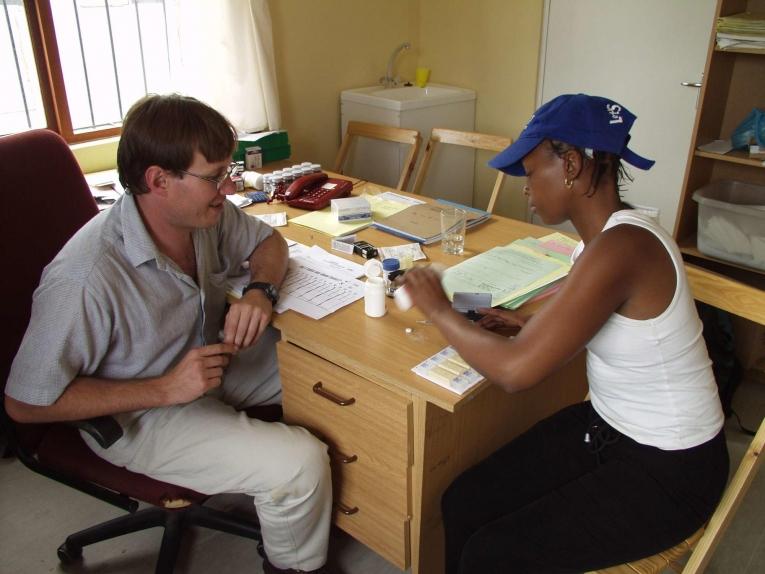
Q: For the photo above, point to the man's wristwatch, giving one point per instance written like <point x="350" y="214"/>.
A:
<point x="267" y="288"/>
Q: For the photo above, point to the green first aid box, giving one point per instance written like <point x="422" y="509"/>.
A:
<point x="273" y="145"/>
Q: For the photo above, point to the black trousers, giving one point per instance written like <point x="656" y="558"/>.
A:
<point x="549" y="502"/>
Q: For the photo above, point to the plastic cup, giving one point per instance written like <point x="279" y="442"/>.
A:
<point x="453" y="222"/>
<point x="421" y="77"/>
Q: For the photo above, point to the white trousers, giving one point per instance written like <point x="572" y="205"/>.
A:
<point x="208" y="446"/>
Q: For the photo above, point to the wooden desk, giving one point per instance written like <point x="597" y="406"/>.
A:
<point x="402" y="439"/>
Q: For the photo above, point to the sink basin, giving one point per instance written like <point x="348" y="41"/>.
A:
<point x="408" y="97"/>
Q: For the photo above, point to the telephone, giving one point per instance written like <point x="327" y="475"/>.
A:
<point x="315" y="191"/>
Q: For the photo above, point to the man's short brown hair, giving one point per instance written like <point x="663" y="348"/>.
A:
<point x="166" y="130"/>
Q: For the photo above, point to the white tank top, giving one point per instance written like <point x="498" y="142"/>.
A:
<point x="652" y="379"/>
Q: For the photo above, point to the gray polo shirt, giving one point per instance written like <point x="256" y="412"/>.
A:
<point x="111" y="305"/>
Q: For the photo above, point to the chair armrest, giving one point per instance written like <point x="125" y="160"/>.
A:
<point x="105" y="430"/>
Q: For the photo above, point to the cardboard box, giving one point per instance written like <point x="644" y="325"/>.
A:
<point x="273" y="145"/>
<point x="731" y="222"/>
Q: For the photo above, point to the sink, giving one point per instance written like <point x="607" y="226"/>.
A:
<point x="408" y="97"/>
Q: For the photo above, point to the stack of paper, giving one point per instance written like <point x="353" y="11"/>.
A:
<point x="422" y="222"/>
<point x="326" y="222"/>
<point x="515" y="273"/>
<point x="739" y="31"/>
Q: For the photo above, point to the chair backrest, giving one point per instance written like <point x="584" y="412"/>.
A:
<point x="704" y="542"/>
<point x="45" y="200"/>
<point x="468" y="139"/>
<point x="356" y="129"/>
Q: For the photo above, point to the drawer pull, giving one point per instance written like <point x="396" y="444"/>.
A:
<point x="346" y="459"/>
<point x="345" y="510"/>
<point x="318" y="388"/>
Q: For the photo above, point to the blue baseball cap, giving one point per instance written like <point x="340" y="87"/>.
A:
<point x="577" y="119"/>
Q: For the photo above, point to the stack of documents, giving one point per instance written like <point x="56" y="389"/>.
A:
<point x="324" y="221"/>
<point x="422" y="222"/>
<point x="515" y="273"/>
<point x="739" y="31"/>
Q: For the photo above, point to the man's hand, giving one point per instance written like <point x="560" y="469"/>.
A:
<point x="199" y="371"/>
<point x="247" y="318"/>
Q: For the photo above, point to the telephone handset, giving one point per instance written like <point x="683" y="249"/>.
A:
<point x="315" y="191"/>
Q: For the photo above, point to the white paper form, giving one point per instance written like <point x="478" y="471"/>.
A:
<point x="316" y="292"/>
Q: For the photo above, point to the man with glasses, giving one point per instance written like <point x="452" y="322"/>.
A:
<point x="130" y="320"/>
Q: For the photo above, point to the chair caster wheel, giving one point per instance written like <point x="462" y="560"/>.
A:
<point x="67" y="554"/>
<point x="261" y="550"/>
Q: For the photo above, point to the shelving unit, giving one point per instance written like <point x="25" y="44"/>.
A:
<point x="734" y="84"/>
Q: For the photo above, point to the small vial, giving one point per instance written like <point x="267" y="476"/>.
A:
<point x="268" y="185"/>
<point x="391" y="270"/>
<point x="277" y="185"/>
<point x="316" y="168"/>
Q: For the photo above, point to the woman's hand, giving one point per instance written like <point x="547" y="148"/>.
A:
<point x="501" y="320"/>
<point x="423" y="285"/>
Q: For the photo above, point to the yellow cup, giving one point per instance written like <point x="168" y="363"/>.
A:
<point x="421" y="77"/>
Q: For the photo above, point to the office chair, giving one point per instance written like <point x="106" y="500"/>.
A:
<point x="703" y="542"/>
<point x="38" y="217"/>
<point x="356" y="129"/>
<point x="467" y="139"/>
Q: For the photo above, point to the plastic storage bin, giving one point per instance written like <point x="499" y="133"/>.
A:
<point x="732" y="222"/>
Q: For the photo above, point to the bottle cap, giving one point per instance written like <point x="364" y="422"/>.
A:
<point x="391" y="264"/>
<point x="373" y="268"/>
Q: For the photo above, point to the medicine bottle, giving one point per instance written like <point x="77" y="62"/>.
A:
<point x="277" y="185"/>
<point x="391" y="270"/>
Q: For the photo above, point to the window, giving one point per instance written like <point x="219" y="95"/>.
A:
<point x="77" y="65"/>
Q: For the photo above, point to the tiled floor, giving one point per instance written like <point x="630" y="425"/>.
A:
<point x="36" y="514"/>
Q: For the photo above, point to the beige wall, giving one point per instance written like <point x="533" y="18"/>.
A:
<point x="323" y="47"/>
<point x="491" y="46"/>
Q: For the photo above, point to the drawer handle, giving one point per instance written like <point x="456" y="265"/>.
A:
<point x="318" y="388"/>
<point x="345" y="459"/>
<point x="345" y="510"/>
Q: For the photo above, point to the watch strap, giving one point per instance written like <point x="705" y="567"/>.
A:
<point x="267" y="288"/>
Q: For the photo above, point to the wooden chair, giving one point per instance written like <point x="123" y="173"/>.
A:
<point x="703" y="543"/>
<point x="467" y="139"/>
<point x="380" y="132"/>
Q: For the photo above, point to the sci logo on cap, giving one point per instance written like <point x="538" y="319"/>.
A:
<point x="615" y="111"/>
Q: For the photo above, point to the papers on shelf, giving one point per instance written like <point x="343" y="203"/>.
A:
<point x="741" y="31"/>
<point x="515" y="273"/>
<point x="422" y="222"/>
<point x="448" y="369"/>
<point x="717" y="146"/>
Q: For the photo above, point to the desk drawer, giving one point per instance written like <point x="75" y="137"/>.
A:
<point x="369" y="440"/>
<point x="373" y="425"/>
<point x="372" y="507"/>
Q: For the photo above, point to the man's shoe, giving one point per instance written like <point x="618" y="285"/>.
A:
<point x="269" y="568"/>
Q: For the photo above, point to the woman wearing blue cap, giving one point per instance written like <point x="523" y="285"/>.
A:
<point x="642" y="464"/>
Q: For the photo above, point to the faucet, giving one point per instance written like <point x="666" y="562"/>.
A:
<point x="389" y="81"/>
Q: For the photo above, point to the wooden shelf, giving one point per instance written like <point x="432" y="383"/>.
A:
<point x="741" y="51"/>
<point x="723" y="265"/>
<point x="734" y="156"/>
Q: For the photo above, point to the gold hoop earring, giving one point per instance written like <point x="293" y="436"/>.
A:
<point x="569" y="183"/>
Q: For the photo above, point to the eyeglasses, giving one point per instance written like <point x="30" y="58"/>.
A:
<point x="218" y="181"/>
